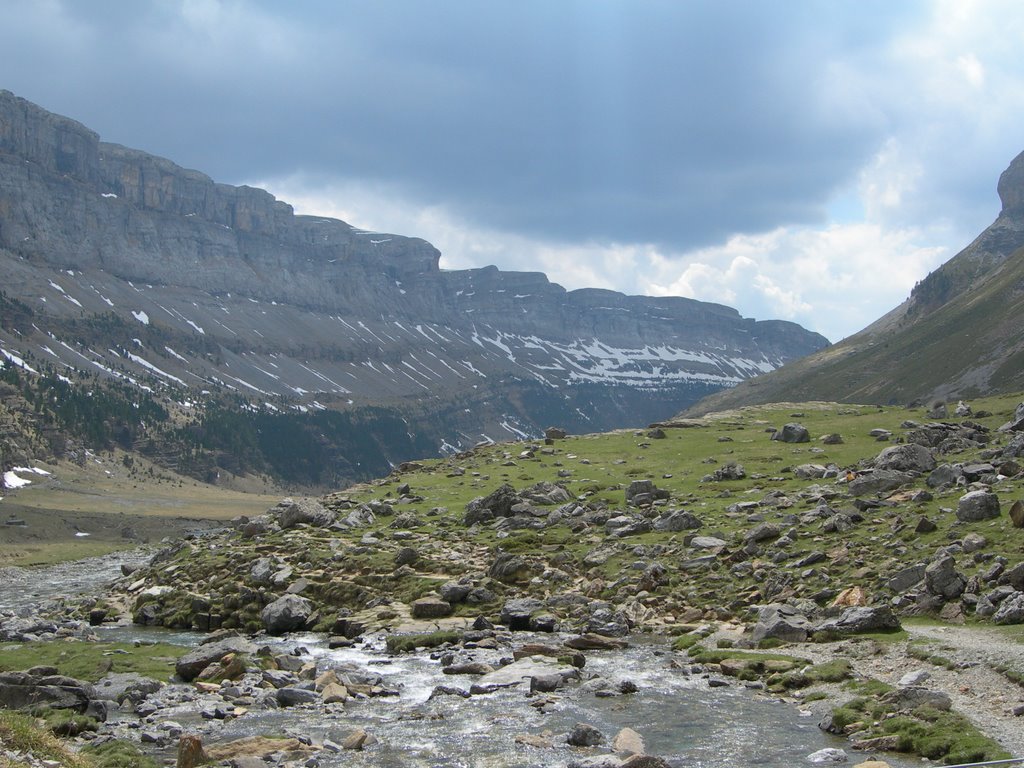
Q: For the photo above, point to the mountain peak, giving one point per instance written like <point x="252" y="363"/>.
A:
<point x="1011" y="188"/>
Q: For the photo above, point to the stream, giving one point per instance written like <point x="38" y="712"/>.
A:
<point x="680" y="717"/>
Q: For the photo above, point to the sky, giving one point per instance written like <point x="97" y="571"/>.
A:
<point x="801" y="160"/>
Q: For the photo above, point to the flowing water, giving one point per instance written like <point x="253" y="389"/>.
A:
<point x="679" y="716"/>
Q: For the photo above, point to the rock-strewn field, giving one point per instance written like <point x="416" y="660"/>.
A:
<point x="818" y="527"/>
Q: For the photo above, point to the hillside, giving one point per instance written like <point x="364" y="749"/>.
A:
<point x="354" y="347"/>
<point x="644" y="529"/>
<point x="958" y="335"/>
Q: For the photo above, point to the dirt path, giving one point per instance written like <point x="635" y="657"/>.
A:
<point x="978" y="691"/>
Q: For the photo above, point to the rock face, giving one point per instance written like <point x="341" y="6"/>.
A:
<point x="227" y="284"/>
<point x="974" y="295"/>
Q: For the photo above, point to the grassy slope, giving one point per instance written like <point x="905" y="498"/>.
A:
<point x="971" y="346"/>
<point x="347" y="574"/>
<point x="105" y="499"/>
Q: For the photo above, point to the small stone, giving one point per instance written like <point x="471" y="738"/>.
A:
<point x="913" y="678"/>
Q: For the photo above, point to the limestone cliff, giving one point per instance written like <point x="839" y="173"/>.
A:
<point x="138" y="269"/>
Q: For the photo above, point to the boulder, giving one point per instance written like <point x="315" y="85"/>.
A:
<point x="941" y="578"/>
<point x="729" y="471"/>
<point x="1016" y="424"/>
<point x="641" y="493"/>
<point x="293" y="696"/>
<point x="1014" y="577"/>
<point x="520" y="672"/>
<point x="977" y="505"/>
<point x="555" y="433"/>
<point x="903" y="580"/>
<point x="628" y="742"/>
<point x="430" y="607"/>
<point x="455" y="591"/>
<point x="190" y="752"/>
<point x="762" y="532"/>
<point x="908" y="457"/>
<point x="24" y="690"/>
<point x="828" y="755"/>
<point x="783" y="622"/>
<point x="509" y="569"/>
<point x="810" y="471"/>
<point x="677" y="520"/>
<point x="878" y="481"/>
<point x="861" y="619"/>
<point x="913" y="696"/>
<point x="195" y="661"/>
<point x="943" y="476"/>
<point x="304" y="511"/>
<point x="594" y="642"/>
<point x="584" y="735"/>
<point x="498" y="503"/>
<point x="1011" y="610"/>
<point x="516" y="613"/>
<point x="286" y="614"/>
<point x="1017" y="514"/>
<point x="792" y="433"/>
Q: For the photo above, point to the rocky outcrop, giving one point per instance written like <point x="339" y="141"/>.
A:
<point x="226" y="285"/>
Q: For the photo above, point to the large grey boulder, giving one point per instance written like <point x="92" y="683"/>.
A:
<point x="24" y="690"/>
<point x="286" y="614"/>
<point x="792" y="433"/>
<point x="304" y="511"/>
<point x="498" y="503"/>
<point x="1011" y="610"/>
<point x="1014" y="577"/>
<point x="199" y="658"/>
<point x="1016" y="424"/>
<point x="878" y="481"/>
<point x="510" y="568"/>
<point x="908" y="457"/>
<point x="677" y="520"/>
<point x="913" y="696"/>
<point x="977" y="505"/>
<point x="941" y="578"/>
<point x="294" y="696"/>
<point x="944" y="475"/>
<point x="520" y="672"/>
<point x="906" y="578"/>
<point x="861" y="619"/>
<point x="430" y="607"/>
<point x="783" y="622"/>
<point x="516" y="613"/>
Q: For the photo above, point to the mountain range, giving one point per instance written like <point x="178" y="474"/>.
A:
<point x="264" y="340"/>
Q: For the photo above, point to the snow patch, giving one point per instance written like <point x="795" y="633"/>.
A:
<point x="16" y="361"/>
<point x="149" y="366"/>
<point x="141" y="316"/>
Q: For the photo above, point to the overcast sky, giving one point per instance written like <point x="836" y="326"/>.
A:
<point x="800" y="160"/>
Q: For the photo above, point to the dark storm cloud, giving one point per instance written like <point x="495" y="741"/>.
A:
<point x="664" y="122"/>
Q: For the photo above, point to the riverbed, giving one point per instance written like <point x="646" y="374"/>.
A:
<point x="680" y="716"/>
